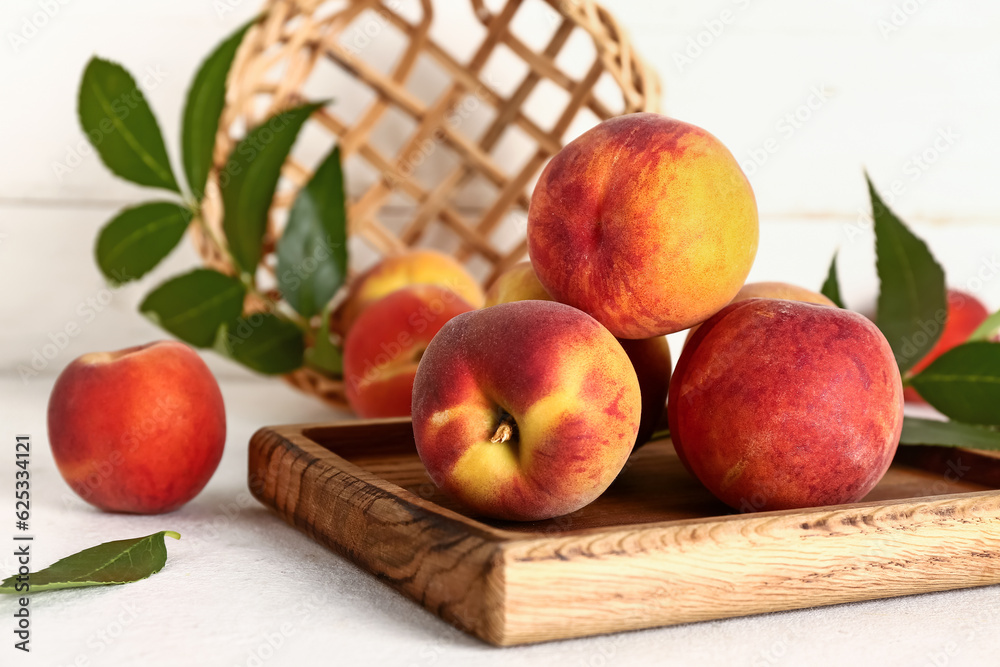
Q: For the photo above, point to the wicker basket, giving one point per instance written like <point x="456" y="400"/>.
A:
<point x="297" y="42"/>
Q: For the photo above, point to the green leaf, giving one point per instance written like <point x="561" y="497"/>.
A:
<point x="118" y="562"/>
<point x="205" y="100"/>
<point x="136" y="239"/>
<point x="831" y="287"/>
<point x="964" y="383"/>
<point x="263" y="342"/>
<point x="193" y="306"/>
<point x="119" y="123"/>
<point x="948" y="434"/>
<point x="324" y="355"/>
<point x="249" y="179"/>
<point x="312" y="252"/>
<point x="912" y="303"/>
<point x="987" y="330"/>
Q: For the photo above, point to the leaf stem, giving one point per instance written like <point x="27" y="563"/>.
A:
<point x="248" y="279"/>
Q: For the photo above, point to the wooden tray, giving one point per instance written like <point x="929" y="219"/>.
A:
<point x="656" y="549"/>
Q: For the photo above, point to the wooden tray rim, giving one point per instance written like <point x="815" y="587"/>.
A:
<point x="296" y="433"/>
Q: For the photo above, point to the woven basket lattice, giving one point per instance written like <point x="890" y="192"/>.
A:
<point x="296" y="41"/>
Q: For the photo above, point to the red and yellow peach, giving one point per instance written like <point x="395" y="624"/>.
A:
<point x="645" y="222"/>
<point x="649" y="356"/>
<point x="386" y="342"/>
<point x="525" y="411"/>
<point x="414" y="267"/>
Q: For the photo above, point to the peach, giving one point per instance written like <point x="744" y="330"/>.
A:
<point x="518" y="283"/>
<point x="778" y="404"/>
<point x="965" y="314"/>
<point x="415" y="267"/>
<point x="139" y="430"/>
<point x="775" y="290"/>
<point x="778" y="290"/>
<point x="645" y="222"/>
<point x="649" y="356"/>
<point x="385" y="344"/>
<point x="525" y="411"/>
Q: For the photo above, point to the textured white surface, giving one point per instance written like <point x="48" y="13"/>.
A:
<point x="240" y="581"/>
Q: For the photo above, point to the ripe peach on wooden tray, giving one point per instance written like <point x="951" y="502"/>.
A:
<point x="525" y="410"/>
<point x="649" y="356"/>
<point x="645" y="222"/>
<point x="137" y="430"/>
<point x="778" y="404"/>
<point x="386" y="342"/>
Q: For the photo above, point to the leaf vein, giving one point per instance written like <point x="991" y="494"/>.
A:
<point x="130" y="138"/>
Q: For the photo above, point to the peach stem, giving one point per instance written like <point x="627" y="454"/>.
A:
<point x="505" y="431"/>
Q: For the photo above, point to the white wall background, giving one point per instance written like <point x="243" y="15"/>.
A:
<point x="909" y="89"/>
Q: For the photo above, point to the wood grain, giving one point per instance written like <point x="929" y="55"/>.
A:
<point x="655" y="550"/>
